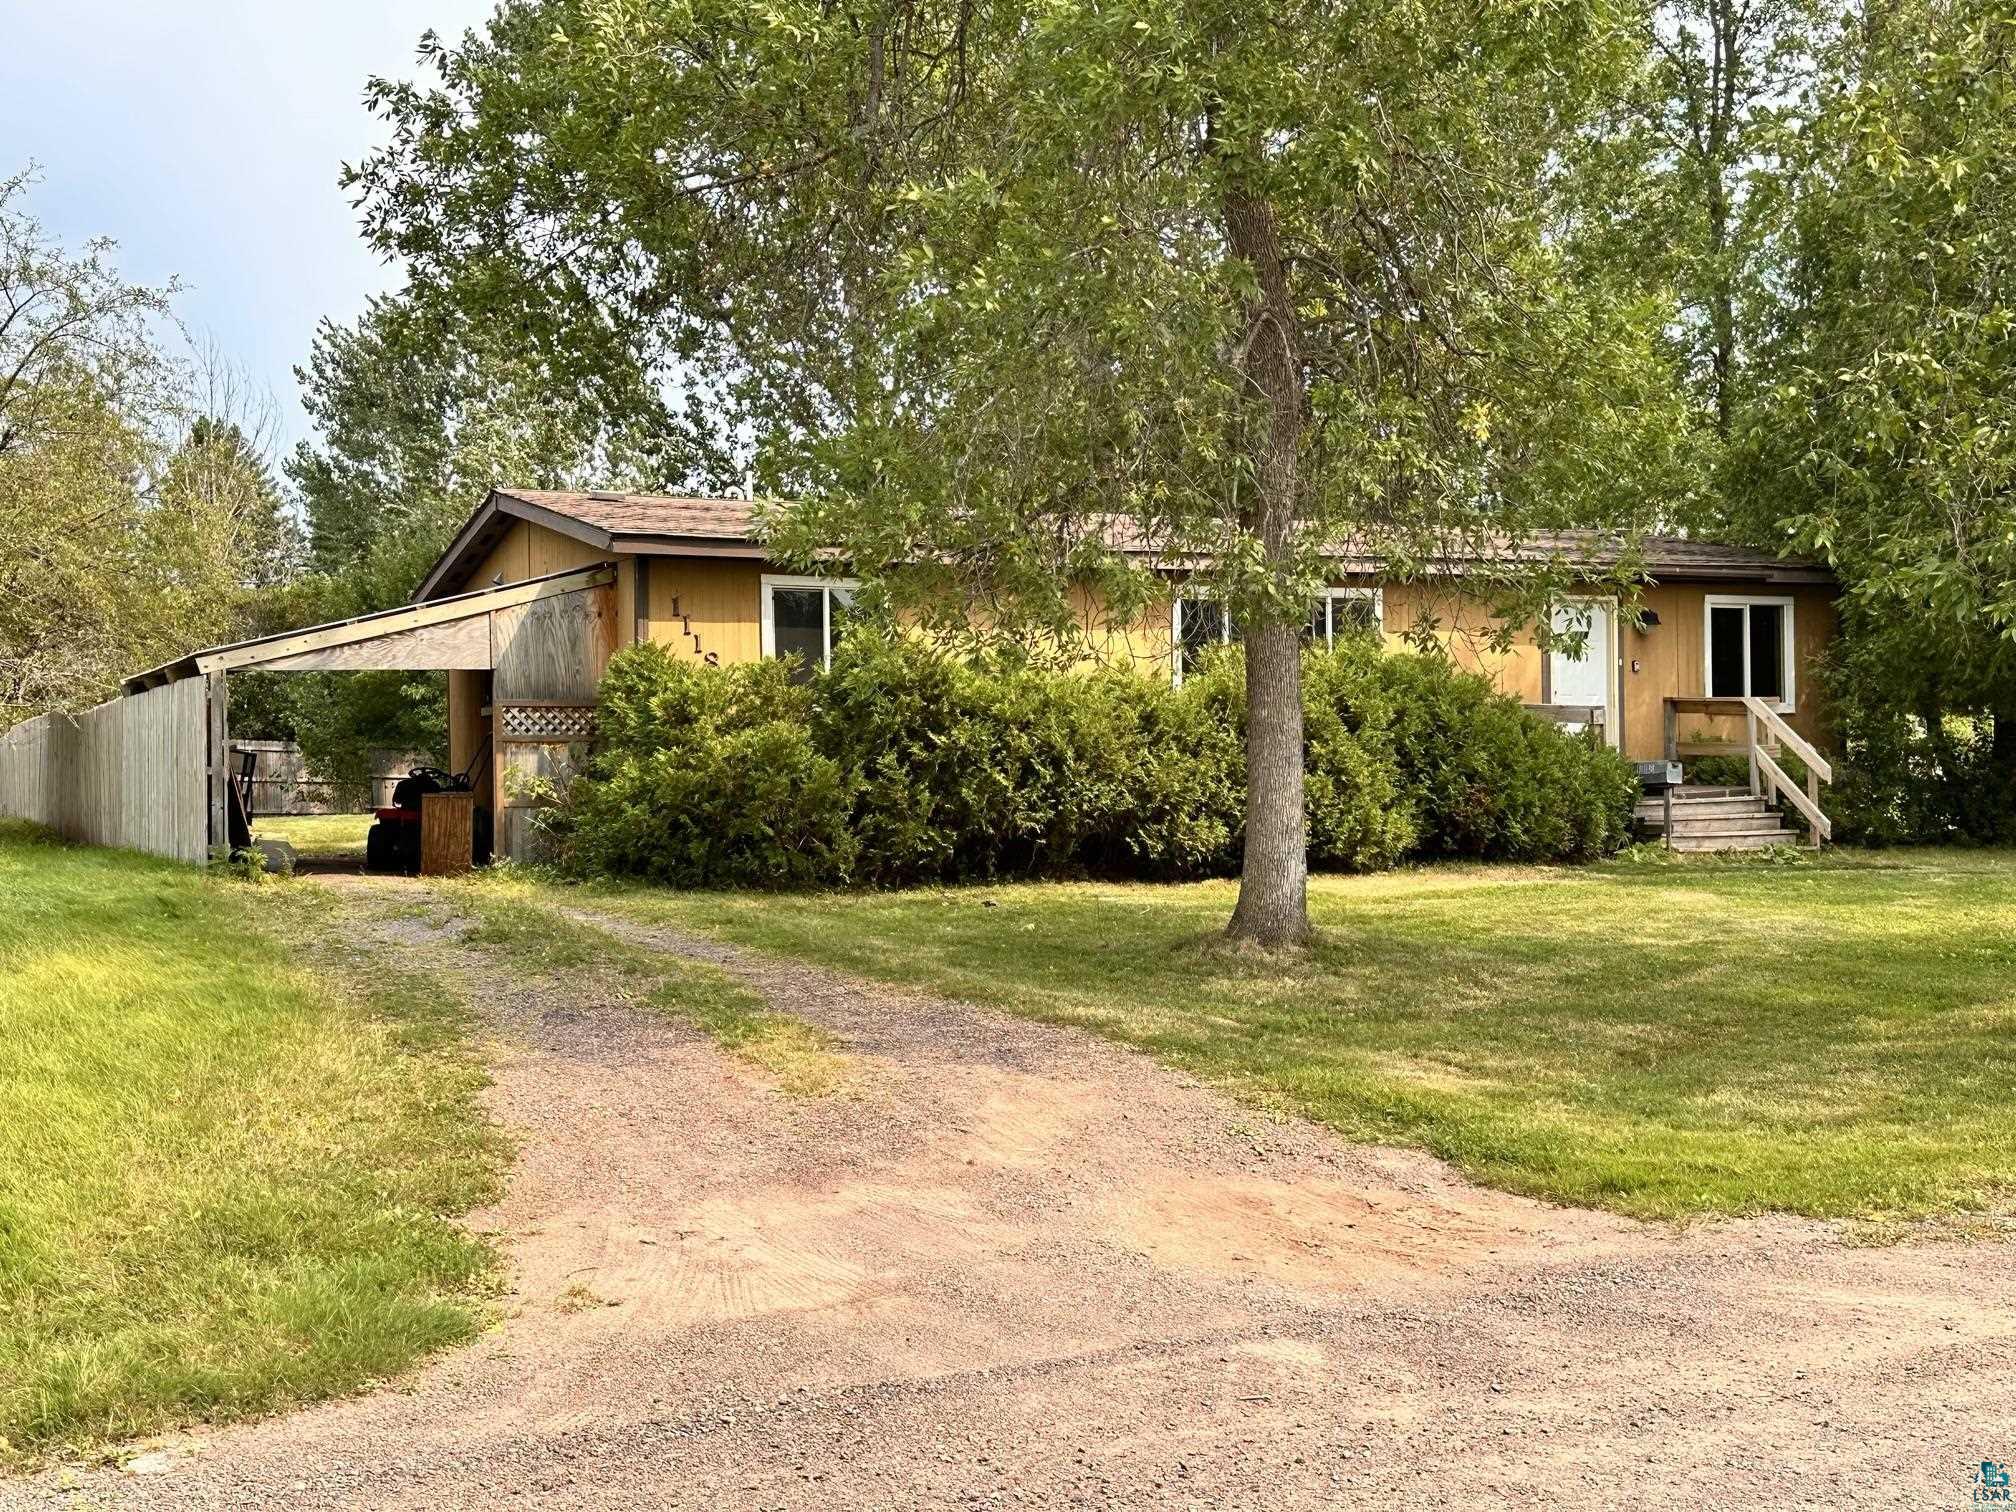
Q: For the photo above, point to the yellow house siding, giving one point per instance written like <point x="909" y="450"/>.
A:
<point x="1464" y="625"/>
<point x="1670" y="661"/>
<point x="529" y="551"/>
<point x="720" y="607"/>
<point x="719" y="604"/>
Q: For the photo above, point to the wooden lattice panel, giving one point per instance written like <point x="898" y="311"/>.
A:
<point x="556" y="723"/>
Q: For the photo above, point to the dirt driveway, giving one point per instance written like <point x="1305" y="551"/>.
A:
<point x="1013" y="1265"/>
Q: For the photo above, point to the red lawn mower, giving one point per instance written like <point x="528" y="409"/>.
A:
<point x="392" y="844"/>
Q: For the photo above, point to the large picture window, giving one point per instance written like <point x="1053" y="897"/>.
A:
<point x="804" y="617"/>
<point x="1749" y="649"/>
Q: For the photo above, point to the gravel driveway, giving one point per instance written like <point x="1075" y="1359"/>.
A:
<point x="1013" y="1265"/>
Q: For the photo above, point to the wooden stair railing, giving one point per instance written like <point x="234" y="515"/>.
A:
<point x="1766" y="736"/>
<point x="1767" y="777"/>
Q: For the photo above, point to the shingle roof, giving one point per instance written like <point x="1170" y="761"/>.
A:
<point x="614" y="521"/>
<point x="623" y="514"/>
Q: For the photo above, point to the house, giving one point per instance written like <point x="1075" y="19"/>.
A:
<point x="1712" y="624"/>
<point x="1716" y="654"/>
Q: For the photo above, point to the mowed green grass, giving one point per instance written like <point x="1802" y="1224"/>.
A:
<point x="228" y="1176"/>
<point x="1665" y="1040"/>
<point x="316" y="834"/>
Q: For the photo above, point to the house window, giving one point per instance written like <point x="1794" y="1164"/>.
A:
<point x="1195" y="623"/>
<point x="1749" y="649"/>
<point x="1342" y="612"/>
<point x="804" y="617"/>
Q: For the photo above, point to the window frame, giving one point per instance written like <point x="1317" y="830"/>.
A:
<point x="1226" y="627"/>
<point x="771" y="582"/>
<point x="1176" y="604"/>
<point x="1788" y="702"/>
<point x="1330" y="596"/>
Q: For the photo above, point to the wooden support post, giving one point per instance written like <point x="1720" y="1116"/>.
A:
<point x="217" y="699"/>
<point x="1813" y="795"/>
<point x="1756" y="779"/>
<point x="640" y="628"/>
<point x="500" y="831"/>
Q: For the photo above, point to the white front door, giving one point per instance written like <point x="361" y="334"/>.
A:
<point x="1591" y="677"/>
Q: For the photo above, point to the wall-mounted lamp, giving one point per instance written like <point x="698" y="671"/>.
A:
<point x="1647" y="618"/>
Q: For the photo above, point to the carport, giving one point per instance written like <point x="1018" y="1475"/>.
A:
<point x="150" y="769"/>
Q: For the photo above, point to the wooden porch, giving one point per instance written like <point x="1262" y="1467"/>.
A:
<point x="1740" y="818"/>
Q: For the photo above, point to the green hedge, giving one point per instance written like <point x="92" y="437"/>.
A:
<point x="901" y="765"/>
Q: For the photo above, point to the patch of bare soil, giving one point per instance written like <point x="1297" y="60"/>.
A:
<point x="1012" y="1264"/>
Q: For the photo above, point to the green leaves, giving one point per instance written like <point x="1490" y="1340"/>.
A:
<point x="1888" y="441"/>
<point x="137" y="516"/>
<point x="960" y="277"/>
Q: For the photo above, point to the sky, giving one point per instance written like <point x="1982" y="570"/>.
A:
<point x="206" y="137"/>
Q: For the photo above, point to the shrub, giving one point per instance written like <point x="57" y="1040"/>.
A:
<point x="1495" y="782"/>
<point x="1362" y="816"/>
<point x="1188" y="816"/>
<point x="709" y="777"/>
<point x="899" y="764"/>
<point x="967" y="771"/>
<point x="1904" y="779"/>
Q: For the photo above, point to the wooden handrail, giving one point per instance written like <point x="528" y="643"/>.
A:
<point x="1767" y="777"/>
<point x="1807" y="804"/>
<point x="1773" y="721"/>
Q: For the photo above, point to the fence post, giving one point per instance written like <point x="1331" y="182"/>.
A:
<point x="217" y="704"/>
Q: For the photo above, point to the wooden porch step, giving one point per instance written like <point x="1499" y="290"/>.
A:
<point x="1755" y="839"/>
<point x="1716" y="818"/>
<point x="1653" y="812"/>
<point x="1729" y="824"/>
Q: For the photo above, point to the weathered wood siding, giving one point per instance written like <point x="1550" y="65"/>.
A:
<point x="134" y="772"/>
<point x="551" y="651"/>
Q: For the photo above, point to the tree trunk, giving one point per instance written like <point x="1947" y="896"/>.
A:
<point x="1726" y="40"/>
<point x="1273" y="908"/>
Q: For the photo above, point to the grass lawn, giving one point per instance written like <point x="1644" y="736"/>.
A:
<point x="227" y="1173"/>
<point x="1667" y="1039"/>
<point x="315" y="834"/>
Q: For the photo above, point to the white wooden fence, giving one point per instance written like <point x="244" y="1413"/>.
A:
<point x="134" y="772"/>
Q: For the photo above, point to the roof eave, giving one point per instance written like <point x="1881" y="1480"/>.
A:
<point x="460" y="556"/>
<point x="365" y="626"/>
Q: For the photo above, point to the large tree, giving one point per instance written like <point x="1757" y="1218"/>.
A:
<point x="1727" y="83"/>
<point x="981" y="283"/>
<point x="418" y="413"/>
<point x="136" y="518"/>
<point x="1885" y="434"/>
